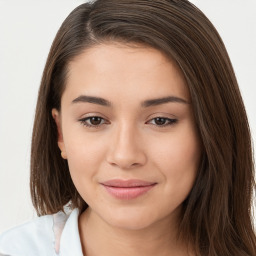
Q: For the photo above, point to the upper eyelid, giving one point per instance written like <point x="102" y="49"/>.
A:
<point x="163" y="115"/>
<point x="92" y="114"/>
<point x="167" y="118"/>
<point x="88" y="117"/>
<point x="171" y="120"/>
<point x="106" y="122"/>
<point x="156" y="115"/>
<point x="159" y="116"/>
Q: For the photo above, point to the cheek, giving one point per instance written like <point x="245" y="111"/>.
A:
<point x="85" y="154"/>
<point x="178" y="159"/>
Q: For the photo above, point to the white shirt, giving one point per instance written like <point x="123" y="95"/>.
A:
<point x="48" y="235"/>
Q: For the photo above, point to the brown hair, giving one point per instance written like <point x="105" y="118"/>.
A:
<point x="216" y="215"/>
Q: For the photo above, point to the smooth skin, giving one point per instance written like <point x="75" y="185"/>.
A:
<point x="129" y="137"/>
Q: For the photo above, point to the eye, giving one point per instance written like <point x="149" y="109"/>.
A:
<point x="93" y="121"/>
<point x="163" y="121"/>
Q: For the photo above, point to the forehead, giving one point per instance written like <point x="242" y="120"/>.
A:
<point x="125" y="70"/>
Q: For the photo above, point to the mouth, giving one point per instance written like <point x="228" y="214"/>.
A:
<point x="127" y="189"/>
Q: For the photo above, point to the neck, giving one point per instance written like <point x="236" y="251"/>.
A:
<point x="100" y="238"/>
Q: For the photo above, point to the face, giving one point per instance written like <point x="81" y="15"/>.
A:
<point x="127" y="130"/>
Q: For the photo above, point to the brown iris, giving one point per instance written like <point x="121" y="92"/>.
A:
<point x="160" y="121"/>
<point x="95" y="120"/>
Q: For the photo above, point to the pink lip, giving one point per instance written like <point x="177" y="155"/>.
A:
<point x="127" y="189"/>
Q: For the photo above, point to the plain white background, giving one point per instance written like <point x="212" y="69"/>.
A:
<point x="27" y="29"/>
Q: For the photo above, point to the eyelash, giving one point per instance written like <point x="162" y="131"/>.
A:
<point x="169" y="120"/>
<point x="83" y="121"/>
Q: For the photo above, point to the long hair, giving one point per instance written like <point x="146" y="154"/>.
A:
<point x="216" y="217"/>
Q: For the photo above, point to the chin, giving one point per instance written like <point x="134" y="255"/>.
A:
<point x="131" y="219"/>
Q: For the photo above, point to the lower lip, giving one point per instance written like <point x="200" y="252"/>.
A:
<point x="128" y="193"/>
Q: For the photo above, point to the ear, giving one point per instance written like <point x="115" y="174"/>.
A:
<point x="57" y="117"/>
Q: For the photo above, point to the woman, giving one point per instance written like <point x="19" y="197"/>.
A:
<point x="140" y="130"/>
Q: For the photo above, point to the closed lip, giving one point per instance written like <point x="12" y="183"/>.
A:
<point x="127" y="183"/>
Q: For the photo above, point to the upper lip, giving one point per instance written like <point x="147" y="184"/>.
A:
<point x="127" y="183"/>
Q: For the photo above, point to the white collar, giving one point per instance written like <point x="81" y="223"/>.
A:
<point x="66" y="231"/>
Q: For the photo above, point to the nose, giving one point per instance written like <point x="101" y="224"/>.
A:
<point x="126" y="150"/>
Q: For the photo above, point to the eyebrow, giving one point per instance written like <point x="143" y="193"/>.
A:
<point x="146" y="103"/>
<point x="159" y="101"/>
<point x="92" y="99"/>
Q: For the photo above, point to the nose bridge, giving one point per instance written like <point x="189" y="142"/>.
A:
<point x="126" y="132"/>
<point x="126" y="150"/>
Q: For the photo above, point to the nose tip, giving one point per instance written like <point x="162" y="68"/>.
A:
<point x="126" y="152"/>
<point x="124" y="161"/>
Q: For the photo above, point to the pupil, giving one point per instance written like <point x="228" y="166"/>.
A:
<point x="95" y="120"/>
<point x="160" y="121"/>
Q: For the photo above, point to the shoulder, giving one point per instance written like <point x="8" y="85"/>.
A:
<point x="34" y="237"/>
<point x="50" y="235"/>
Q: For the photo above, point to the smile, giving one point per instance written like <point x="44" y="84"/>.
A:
<point x="127" y="189"/>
